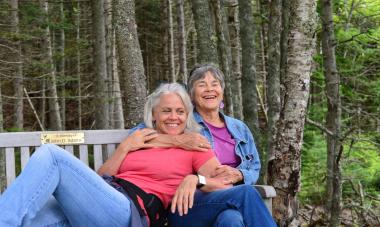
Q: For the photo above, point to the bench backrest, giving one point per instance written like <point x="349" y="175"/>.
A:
<point x="96" y="145"/>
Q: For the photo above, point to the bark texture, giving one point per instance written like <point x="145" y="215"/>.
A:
<point x="206" y="38"/>
<point x="285" y="165"/>
<point x="333" y="116"/>
<point x="130" y="61"/>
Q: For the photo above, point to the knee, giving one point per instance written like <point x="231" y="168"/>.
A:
<point x="230" y="218"/>
<point x="49" y="151"/>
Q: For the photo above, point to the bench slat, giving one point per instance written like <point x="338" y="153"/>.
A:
<point x="110" y="149"/>
<point x="25" y="155"/>
<point x="98" y="157"/>
<point x="70" y="149"/>
<point x="83" y="153"/>
<point x="10" y="165"/>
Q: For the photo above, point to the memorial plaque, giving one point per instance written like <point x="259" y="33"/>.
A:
<point x="62" y="138"/>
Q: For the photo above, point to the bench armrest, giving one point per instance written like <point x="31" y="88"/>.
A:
<point x="267" y="193"/>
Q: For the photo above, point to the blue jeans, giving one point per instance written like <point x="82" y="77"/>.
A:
<point x="57" y="189"/>
<point x="238" y="206"/>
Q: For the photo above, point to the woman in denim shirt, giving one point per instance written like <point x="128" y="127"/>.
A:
<point x="234" y="146"/>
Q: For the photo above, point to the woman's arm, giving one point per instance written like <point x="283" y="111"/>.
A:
<point x="184" y="196"/>
<point x="137" y="140"/>
<point x="189" y="141"/>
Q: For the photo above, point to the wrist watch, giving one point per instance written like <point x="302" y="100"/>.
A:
<point x="201" y="181"/>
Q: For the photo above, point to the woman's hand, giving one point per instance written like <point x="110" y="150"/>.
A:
<point x="228" y="174"/>
<point x="214" y="184"/>
<point x="138" y="140"/>
<point x="184" y="196"/>
<point x="192" y="141"/>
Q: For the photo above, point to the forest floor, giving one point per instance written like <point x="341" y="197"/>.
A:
<point x="354" y="216"/>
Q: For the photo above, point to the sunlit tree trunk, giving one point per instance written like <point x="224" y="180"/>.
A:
<point x="273" y="77"/>
<point x="333" y="115"/>
<point x="233" y="21"/>
<point x="18" y="82"/>
<point x="285" y="165"/>
<point x="130" y="61"/>
<point x="55" y="122"/>
<point x="249" y="80"/>
<point x="206" y="38"/>
<point x="181" y="36"/>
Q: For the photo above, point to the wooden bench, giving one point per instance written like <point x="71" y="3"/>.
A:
<point x="90" y="146"/>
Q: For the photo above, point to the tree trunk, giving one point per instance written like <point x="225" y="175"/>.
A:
<point x="233" y="18"/>
<point x="55" y="122"/>
<point x="284" y="168"/>
<point x="181" y="36"/>
<point x="333" y="116"/>
<point x="18" y="82"/>
<point x="118" y="103"/>
<point x="61" y="63"/>
<point x="273" y="78"/>
<point x="100" y="67"/>
<point x="206" y="38"/>
<point x="171" y="42"/>
<point x="224" y="52"/>
<point x="78" y="65"/>
<point x="247" y="36"/>
<point x="284" y="40"/>
<point x="109" y="59"/>
<point x="131" y="62"/>
<point x="3" y="178"/>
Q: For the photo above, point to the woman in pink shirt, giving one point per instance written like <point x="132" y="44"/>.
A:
<point x="139" y="179"/>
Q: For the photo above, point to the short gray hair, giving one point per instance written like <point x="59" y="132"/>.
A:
<point x="198" y="72"/>
<point x="154" y="98"/>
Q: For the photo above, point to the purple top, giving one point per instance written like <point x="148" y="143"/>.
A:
<point x="224" y="146"/>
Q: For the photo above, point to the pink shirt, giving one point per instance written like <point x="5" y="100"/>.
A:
<point x="161" y="170"/>
<point x="224" y="146"/>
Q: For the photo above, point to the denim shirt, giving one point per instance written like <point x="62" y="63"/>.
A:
<point x="245" y="146"/>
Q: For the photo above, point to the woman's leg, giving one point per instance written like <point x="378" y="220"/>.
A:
<point x="85" y="199"/>
<point x="208" y="206"/>
<point x="229" y="218"/>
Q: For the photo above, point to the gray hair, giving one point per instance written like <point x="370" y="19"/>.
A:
<point x="154" y="98"/>
<point x="199" y="72"/>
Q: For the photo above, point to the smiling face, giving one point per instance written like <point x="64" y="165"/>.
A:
<point x="170" y="114"/>
<point x="208" y="93"/>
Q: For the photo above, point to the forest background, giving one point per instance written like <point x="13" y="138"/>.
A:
<point x="303" y="75"/>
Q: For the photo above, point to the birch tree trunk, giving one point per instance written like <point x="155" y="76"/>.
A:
<point x="100" y="65"/>
<point x="249" y="81"/>
<point x="18" y="82"/>
<point x="284" y="167"/>
<point x="333" y="115"/>
<point x="206" y="38"/>
<point x="171" y="42"/>
<point x="131" y="62"/>
<point x="181" y="36"/>
<point x="55" y="122"/>
<point x="273" y="78"/>
<point x="233" y="21"/>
